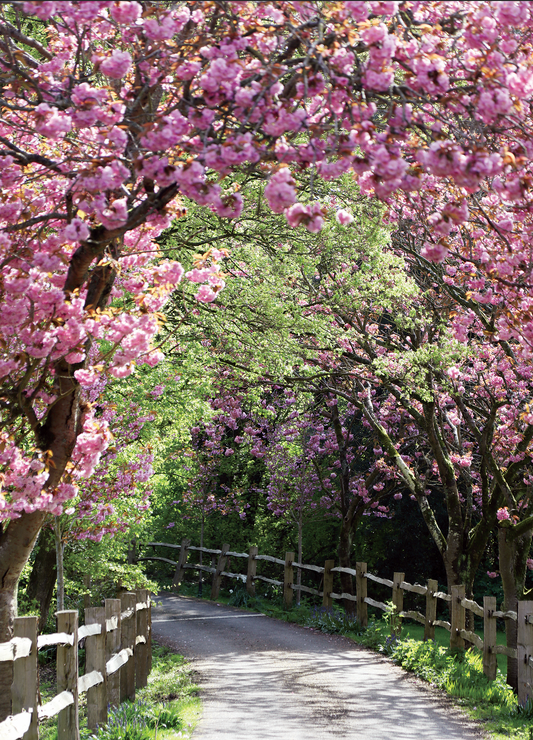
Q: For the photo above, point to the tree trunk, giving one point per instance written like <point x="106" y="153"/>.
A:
<point x="513" y="552"/>
<point x="60" y="550"/>
<point x="16" y="544"/>
<point x="345" y="550"/>
<point x="43" y="575"/>
<point x="300" y="555"/>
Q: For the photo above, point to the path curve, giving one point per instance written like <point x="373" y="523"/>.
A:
<point x="263" y="679"/>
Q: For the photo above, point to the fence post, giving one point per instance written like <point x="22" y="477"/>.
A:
<point x="141" y="640"/>
<point x="67" y="676"/>
<point x="24" y="688"/>
<point x="457" y="643"/>
<point x="397" y="601"/>
<point x="361" y="591"/>
<point x="180" y="568"/>
<point x="252" y="570"/>
<point x="490" y="663"/>
<point x="112" y="646"/>
<point x="149" y="630"/>
<point x="95" y="661"/>
<point x="128" y="626"/>
<point x="217" y="578"/>
<point x="525" y="650"/>
<point x="431" y="609"/>
<point x="327" y="601"/>
<point x="288" y="580"/>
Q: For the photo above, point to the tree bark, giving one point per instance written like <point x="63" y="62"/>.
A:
<point x="345" y="551"/>
<point x="513" y="552"/>
<point x="16" y="544"/>
<point x="43" y="575"/>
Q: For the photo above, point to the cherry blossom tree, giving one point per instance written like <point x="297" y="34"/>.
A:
<point x="112" y="111"/>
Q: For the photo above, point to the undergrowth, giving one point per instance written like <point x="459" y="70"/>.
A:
<point x="166" y="709"/>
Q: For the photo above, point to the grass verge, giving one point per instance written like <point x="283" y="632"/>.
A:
<point x="168" y="708"/>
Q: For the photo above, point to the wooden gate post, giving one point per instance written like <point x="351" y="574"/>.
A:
<point x="252" y="570"/>
<point x="431" y="609"/>
<point x="217" y="577"/>
<point x="95" y="661"/>
<point x="128" y="626"/>
<point x="142" y="638"/>
<point x="397" y="601"/>
<point x="288" y="580"/>
<point x="24" y="688"/>
<point x="457" y="643"/>
<point x="361" y="590"/>
<point x="524" y="644"/>
<point x="67" y="676"/>
<point x="180" y="568"/>
<point x="112" y="645"/>
<point x="490" y="663"/>
<point x="327" y="601"/>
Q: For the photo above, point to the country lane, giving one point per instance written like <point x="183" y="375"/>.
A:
<point x="262" y="679"/>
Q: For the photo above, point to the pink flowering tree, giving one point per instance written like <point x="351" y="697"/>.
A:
<point x="112" y="110"/>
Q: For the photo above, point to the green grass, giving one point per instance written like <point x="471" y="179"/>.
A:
<point x="166" y="709"/>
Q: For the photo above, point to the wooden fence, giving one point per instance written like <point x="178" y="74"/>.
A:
<point x="118" y="653"/>
<point x="458" y="604"/>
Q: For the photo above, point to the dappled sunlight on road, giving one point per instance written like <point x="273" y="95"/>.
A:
<point x="262" y="679"/>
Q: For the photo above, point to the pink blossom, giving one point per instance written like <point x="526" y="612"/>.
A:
<point x="116" y="65"/>
<point x="310" y="216"/>
<point x="492" y="574"/>
<point x="51" y="122"/>
<point x="76" y="231"/>
<point x="115" y="214"/>
<point x="125" y="12"/>
<point x="503" y="514"/>
<point x="434" y="252"/>
<point x="344" y="218"/>
<point x="280" y="192"/>
<point x="205" y="294"/>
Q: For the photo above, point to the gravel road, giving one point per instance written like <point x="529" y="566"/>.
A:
<point x="263" y="679"/>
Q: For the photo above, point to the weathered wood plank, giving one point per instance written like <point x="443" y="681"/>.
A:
<point x="473" y="606"/>
<point x="157" y="557"/>
<point x="313" y="568"/>
<point x="270" y="559"/>
<point x="87" y="681"/>
<point x="251" y="570"/>
<point x="88" y="630"/>
<point x="128" y="620"/>
<point x="414" y="588"/>
<point x="377" y="604"/>
<point x="506" y="615"/>
<point x="416" y="616"/>
<point x="141" y="650"/>
<point x="17" y="647"/>
<point x="162" y="544"/>
<point x="288" y="580"/>
<point x="237" y="554"/>
<point x="95" y="662"/>
<point x="473" y="638"/>
<point x="490" y="664"/>
<point x="338" y="569"/>
<point x="238" y="576"/>
<point x="117" y="661"/>
<point x="24" y="687"/>
<point x="269" y="580"/>
<point x="205" y="549"/>
<point x="361" y="590"/>
<point x="348" y="597"/>
<point x="431" y="609"/>
<point x="57" y="638"/>
<point x="56" y="705"/>
<point x="14" y="727"/>
<point x="67" y="676"/>
<point x="504" y="650"/>
<point x="524" y="645"/>
<point x="308" y="590"/>
<point x="458" y="618"/>
<point x="377" y="579"/>
<point x="112" y="646"/>
<point x="217" y="574"/>
<point x="443" y="623"/>
<point x="442" y="595"/>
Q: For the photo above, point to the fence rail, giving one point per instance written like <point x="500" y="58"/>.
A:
<point x="117" y="661"/>
<point x="457" y="602"/>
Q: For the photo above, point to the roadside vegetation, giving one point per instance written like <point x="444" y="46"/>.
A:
<point x="166" y="709"/>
